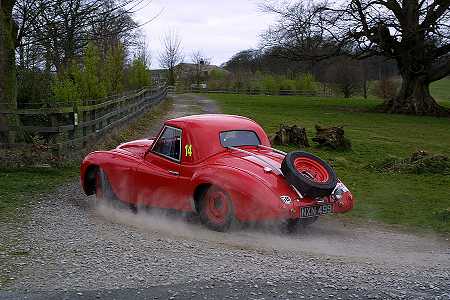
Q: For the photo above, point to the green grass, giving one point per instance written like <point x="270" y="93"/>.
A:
<point x="20" y="186"/>
<point x="441" y="90"/>
<point x="405" y="199"/>
<point x="17" y="184"/>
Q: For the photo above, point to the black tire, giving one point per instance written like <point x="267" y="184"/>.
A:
<point x="302" y="182"/>
<point x="104" y="192"/>
<point x="205" y="215"/>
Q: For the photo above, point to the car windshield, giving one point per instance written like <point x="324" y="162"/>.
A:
<point x="236" y="138"/>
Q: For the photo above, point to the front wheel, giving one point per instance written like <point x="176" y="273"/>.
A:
<point x="216" y="209"/>
<point x="103" y="189"/>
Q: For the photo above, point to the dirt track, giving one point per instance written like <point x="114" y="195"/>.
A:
<point x="73" y="249"/>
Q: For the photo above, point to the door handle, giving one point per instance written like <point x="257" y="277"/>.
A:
<point x="174" y="173"/>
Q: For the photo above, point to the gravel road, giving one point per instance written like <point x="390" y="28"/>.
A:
<point x="72" y="248"/>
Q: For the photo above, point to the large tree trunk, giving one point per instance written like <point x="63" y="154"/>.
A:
<point x="8" y="81"/>
<point x="414" y="98"/>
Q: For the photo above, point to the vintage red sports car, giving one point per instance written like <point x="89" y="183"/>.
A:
<point x="220" y="167"/>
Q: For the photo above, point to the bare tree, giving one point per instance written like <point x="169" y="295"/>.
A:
<point x="143" y="51"/>
<point x="171" y="54"/>
<point x="415" y="34"/>
<point x="61" y="29"/>
<point x="200" y="61"/>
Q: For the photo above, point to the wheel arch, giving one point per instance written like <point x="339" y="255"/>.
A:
<point x="89" y="179"/>
<point x="251" y="197"/>
<point x="198" y="194"/>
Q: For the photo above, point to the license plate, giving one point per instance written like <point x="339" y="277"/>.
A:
<point x="313" y="211"/>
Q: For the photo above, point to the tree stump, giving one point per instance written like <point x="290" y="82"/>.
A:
<point x="290" y="135"/>
<point x="332" y="137"/>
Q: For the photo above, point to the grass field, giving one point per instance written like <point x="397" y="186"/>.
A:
<point x="406" y="199"/>
<point x="441" y="90"/>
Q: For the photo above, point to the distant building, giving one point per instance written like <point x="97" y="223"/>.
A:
<point x="159" y="76"/>
<point x="195" y="75"/>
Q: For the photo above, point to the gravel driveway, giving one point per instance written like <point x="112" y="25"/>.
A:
<point x="71" y="248"/>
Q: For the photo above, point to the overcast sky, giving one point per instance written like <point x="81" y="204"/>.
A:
<point x="218" y="28"/>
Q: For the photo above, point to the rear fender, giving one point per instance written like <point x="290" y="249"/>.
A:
<point x="252" y="199"/>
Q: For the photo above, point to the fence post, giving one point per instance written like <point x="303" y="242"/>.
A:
<point x="72" y="133"/>
<point x="55" y="136"/>
<point x="92" y="118"/>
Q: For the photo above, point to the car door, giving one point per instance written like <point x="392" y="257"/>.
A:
<point x="157" y="177"/>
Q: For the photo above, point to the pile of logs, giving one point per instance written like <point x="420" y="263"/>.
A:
<point x="290" y="135"/>
<point x="331" y="137"/>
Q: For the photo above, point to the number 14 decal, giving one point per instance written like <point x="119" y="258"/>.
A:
<point x="188" y="150"/>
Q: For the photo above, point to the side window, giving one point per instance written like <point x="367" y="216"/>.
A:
<point x="169" y="143"/>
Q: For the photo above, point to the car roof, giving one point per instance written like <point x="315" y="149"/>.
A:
<point x="202" y="131"/>
<point x="219" y="121"/>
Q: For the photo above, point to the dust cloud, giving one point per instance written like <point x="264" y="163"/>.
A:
<point x="328" y="238"/>
<point x="156" y="220"/>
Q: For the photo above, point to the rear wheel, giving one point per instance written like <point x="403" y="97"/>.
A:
<point x="216" y="209"/>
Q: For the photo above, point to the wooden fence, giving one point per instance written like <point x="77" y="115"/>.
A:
<point x="73" y="126"/>
<point x="326" y="92"/>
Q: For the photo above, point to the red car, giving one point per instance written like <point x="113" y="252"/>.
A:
<point x="221" y="167"/>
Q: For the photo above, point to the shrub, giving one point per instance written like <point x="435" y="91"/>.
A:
<point x="33" y="85"/>
<point x="305" y="82"/>
<point x="66" y="90"/>
<point x="287" y="84"/>
<point x="270" y="84"/>
<point x="217" y="75"/>
<point x="113" y="74"/>
<point x="139" y="75"/>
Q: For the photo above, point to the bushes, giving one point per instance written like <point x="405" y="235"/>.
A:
<point x="88" y="76"/>
<point x="114" y="70"/>
<point x="139" y="75"/>
<point x="259" y="83"/>
<point x="66" y="90"/>
<point x="96" y="78"/>
<point x="270" y="84"/>
<point x="33" y="86"/>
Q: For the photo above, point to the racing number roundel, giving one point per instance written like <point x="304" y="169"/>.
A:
<point x="188" y="149"/>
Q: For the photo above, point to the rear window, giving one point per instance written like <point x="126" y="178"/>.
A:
<point x="236" y="138"/>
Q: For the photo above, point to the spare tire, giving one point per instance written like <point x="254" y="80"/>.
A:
<point x="312" y="176"/>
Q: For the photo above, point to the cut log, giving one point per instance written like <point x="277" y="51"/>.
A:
<point x="332" y="137"/>
<point x="290" y="135"/>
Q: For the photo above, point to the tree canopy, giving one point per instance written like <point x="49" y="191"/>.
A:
<point x="416" y="34"/>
